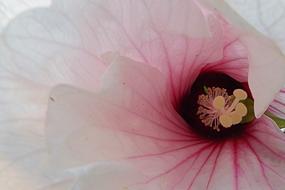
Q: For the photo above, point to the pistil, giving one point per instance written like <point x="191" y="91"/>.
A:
<point x="217" y="108"/>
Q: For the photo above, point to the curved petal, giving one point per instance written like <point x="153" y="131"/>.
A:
<point x="263" y="147"/>
<point x="266" y="16"/>
<point x="155" y="36"/>
<point x="98" y="177"/>
<point x="27" y="169"/>
<point x="267" y="65"/>
<point x="141" y="98"/>
<point x="182" y="58"/>
<point x="65" y="38"/>
<point x="147" y="39"/>
<point x="131" y="121"/>
<point x="48" y="46"/>
<point x="277" y="107"/>
<point x="263" y="56"/>
<point x="126" y="25"/>
<point x="45" y="46"/>
<point x="38" y="50"/>
<point x="254" y="161"/>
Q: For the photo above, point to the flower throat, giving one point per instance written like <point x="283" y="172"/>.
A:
<point x="215" y="105"/>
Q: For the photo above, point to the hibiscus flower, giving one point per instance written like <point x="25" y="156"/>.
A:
<point x="154" y="95"/>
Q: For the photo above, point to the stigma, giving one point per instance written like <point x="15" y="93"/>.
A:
<point x="219" y="109"/>
<point x="217" y="106"/>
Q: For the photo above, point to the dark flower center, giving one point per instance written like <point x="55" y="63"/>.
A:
<point x="214" y="105"/>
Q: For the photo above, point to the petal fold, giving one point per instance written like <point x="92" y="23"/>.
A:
<point x="127" y="122"/>
<point x="264" y="56"/>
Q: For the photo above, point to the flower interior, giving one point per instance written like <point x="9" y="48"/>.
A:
<point x="214" y="106"/>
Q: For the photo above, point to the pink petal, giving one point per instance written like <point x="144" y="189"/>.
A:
<point x="156" y="37"/>
<point x="262" y="149"/>
<point x="266" y="61"/>
<point x="67" y="35"/>
<point x="133" y="86"/>
<point x="182" y="58"/>
<point x="132" y="120"/>
<point x="277" y="107"/>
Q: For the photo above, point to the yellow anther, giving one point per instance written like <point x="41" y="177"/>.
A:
<point x="240" y="94"/>
<point x="241" y="109"/>
<point x="226" y="120"/>
<point x="219" y="102"/>
<point x="218" y="108"/>
<point x="235" y="117"/>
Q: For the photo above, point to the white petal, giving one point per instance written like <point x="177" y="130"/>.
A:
<point x="109" y="176"/>
<point x="267" y="16"/>
<point x="11" y="8"/>
<point x="44" y="46"/>
<point x="38" y="49"/>
<point x="266" y="72"/>
<point x="266" y="61"/>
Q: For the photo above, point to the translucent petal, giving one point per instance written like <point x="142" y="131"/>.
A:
<point x="267" y="16"/>
<point x="63" y="44"/>
<point x="37" y="51"/>
<point x="277" y="107"/>
<point x="84" y="127"/>
<point x="11" y="8"/>
<point x="122" y="176"/>
<point x="263" y="56"/>
<point x="134" y="93"/>
<point x="44" y="46"/>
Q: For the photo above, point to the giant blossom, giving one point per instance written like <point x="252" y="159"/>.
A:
<point x="140" y="95"/>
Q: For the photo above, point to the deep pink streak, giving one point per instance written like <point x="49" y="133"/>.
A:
<point x="224" y="48"/>
<point x="182" y="129"/>
<point x="161" y="139"/>
<point x="169" y="68"/>
<point x="166" y="54"/>
<point x="190" y="70"/>
<point x="274" y="109"/>
<point x="271" y="134"/>
<point x="165" y="152"/>
<point x="180" y="163"/>
<point x="279" y="102"/>
<point x="151" y="121"/>
<point x="185" y="58"/>
<point x="267" y="165"/>
<point x="225" y="62"/>
<point x="260" y="142"/>
<point x="275" y="172"/>
<point x="260" y="164"/>
<point x="214" y="166"/>
<point x="157" y="111"/>
<point x="201" y="167"/>
<point x="186" y="172"/>
<point x="193" y="64"/>
<point x="235" y="164"/>
<point x="230" y="43"/>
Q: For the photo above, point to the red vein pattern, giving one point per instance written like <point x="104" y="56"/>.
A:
<point x="134" y="117"/>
